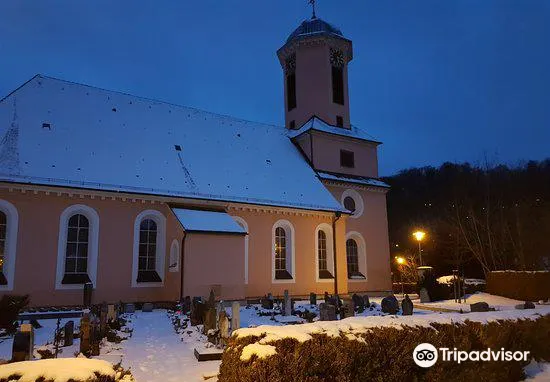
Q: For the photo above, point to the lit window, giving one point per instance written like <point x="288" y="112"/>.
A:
<point x="283" y="261"/>
<point x="76" y="250"/>
<point x="147" y="259"/>
<point x="356" y="256"/>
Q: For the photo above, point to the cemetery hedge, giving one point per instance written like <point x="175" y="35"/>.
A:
<point x="525" y="286"/>
<point x="386" y="354"/>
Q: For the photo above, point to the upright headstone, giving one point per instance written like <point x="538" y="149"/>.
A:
<point x="287" y="309"/>
<point x="85" y="334"/>
<point x="407" y="306"/>
<point x="235" y="315"/>
<point x="327" y="312"/>
<point x="186" y="306"/>
<point x="211" y="299"/>
<point x="312" y="299"/>
<point x="366" y="301"/>
<point x="68" y="333"/>
<point x="103" y="320"/>
<point x="223" y="326"/>
<point x="129" y="308"/>
<point x="347" y="309"/>
<point x="326" y="297"/>
<point x="359" y="302"/>
<point x="23" y="343"/>
<point x="87" y="298"/>
<point x="390" y="305"/>
<point x="198" y="309"/>
<point x="147" y="307"/>
<point x="424" y="296"/>
<point x="481" y="306"/>
<point x="209" y="321"/>
<point x="111" y="313"/>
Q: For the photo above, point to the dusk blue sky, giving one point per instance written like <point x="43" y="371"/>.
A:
<point x="434" y="80"/>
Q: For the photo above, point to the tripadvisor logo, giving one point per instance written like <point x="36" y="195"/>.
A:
<point x="426" y="355"/>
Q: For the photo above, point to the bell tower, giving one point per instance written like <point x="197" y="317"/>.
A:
<point x="315" y="61"/>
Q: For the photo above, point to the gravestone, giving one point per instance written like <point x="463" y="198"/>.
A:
<point x="366" y="301"/>
<point x="95" y="337"/>
<point x="235" y="315"/>
<point x="407" y="306"/>
<point x="68" y="333"/>
<point x="327" y="312"/>
<point x="481" y="306"/>
<point x="87" y="294"/>
<point x="85" y="334"/>
<point x="312" y="299"/>
<point x="103" y="321"/>
<point x="347" y="309"/>
<point x="198" y="309"/>
<point x="211" y="299"/>
<point x="129" y="308"/>
<point x="424" y="296"/>
<point x="23" y="343"/>
<point x="529" y="305"/>
<point x="147" y="307"/>
<point x="223" y="326"/>
<point x="359" y="302"/>
<point x="209" y="321"/>
<point x="186" y="306"/>
<point x="390" y="305"/>
<point x="111" y="313"/>
<point x="267" y="302"/>
<point x="326" y="297"/>
<point x="287" y="308"/>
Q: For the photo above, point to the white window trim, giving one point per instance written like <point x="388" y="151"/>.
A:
<point x="290" y="257"/>
<point x="243" y="224"/>
<point x="359" y="205"/>
<point x="174" y="259"/>
<point x="93" y="244"/>
<point x="330" y="252"/>
<point x="10" y="244"/>
<point x="160" y="219"/>
<point x="361" y="253"/>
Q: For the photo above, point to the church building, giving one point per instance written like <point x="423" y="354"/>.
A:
<point x="150" y="201"/>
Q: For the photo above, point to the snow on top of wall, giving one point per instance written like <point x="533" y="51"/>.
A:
<point x="319" y="125"/>
<point x="207" y="221"/>
<point x="353" y="179"/>
<point x="79" y="136"/>
<point x="57" y="370"/>
<point x="352" y="327"/>
<point x="449" y="280"/>
<point x="513" y="271"/>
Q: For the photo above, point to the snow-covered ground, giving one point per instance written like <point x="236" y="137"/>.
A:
<point x="537" y="372"/>
<point x="497" y="302"/>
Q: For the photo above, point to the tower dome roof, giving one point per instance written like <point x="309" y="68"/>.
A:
<point x="312" y="27"/>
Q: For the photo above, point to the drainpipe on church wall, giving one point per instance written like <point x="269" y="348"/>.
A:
<point x="336" y="218"/>
<point x="181" y="264"/>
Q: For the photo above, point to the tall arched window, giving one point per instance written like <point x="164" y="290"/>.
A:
<point x="76" y="250"/>
<point x="147" y="260"/>
<point x="3" y="230"/>
<point x="324" y="252"/>
<point x="353" y="257"/>
<point x="283" y="252"/>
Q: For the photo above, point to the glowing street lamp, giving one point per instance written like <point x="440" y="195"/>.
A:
<point x="419" y="236"/>
<point x="401" y="261"/>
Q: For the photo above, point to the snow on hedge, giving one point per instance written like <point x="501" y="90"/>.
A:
<point x="352" y="327"/>
<point x="449" y="280"/>
<point x="261" y="351"/>
<point x="58" y="370"/>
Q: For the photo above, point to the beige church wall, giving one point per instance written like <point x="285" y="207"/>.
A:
<point x="260" y="253"/>
<point x="373" y="226"/>
<point x="314" y="88"/>
<point x="326" y="155"/>
<point x="37" y="248"/>
<point x="214" y="261"/>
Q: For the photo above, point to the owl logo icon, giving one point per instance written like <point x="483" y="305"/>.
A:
<point x="425" y="355"/>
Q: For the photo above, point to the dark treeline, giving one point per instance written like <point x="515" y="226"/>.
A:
<point x="478" y="218"/>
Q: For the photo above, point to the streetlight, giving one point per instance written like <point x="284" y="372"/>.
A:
<point x="419" y="236"/>
<point x="401" y="261"/>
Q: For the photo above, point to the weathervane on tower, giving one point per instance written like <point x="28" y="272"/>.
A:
<point x="312" y="2"/>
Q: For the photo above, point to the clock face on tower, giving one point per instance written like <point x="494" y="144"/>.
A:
<point x="336" y="57"/>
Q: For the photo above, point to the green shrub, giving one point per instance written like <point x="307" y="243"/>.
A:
<point x="10" y="307"/>
<point x="524" y="286"/>
<point x="386" y="354"/>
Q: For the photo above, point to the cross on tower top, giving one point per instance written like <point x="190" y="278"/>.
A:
<point x="312" y="2"/>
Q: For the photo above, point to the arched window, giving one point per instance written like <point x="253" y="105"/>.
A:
<point x="9" y="221"/>
<point x="324" y="247"/>
<point x="356" y="256"/>
<point x="3" y="230"/>
<point x="149" y="249"/>
<point x="76" y="250"/>
<point x="147" y="262"/>
<point x="283" y="251"/>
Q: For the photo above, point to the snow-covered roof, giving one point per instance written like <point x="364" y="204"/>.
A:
<point x="59" y="133"/>
<point x="352" y="179"/>
<point x="317" y="124"/>
<point x="315" y="26"/>
<point x="207" y="221"/>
